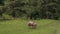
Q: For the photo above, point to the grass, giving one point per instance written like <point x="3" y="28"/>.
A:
<point x="18" y="26"/>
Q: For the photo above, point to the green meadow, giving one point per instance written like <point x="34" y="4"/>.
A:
<point x="19" y="26"/>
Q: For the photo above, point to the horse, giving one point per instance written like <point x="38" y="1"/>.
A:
<point x="32" y="24"/>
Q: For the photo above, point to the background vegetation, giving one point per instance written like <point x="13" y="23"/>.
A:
<point x="30" y="9"/>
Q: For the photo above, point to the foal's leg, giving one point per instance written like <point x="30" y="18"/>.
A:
<point x="34" y="27"/>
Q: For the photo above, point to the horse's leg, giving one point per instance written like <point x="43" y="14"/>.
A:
<point x="34" y="27"/>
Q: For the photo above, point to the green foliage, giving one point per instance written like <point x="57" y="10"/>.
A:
<point x="1" y="2"/>
<point x="33" y="9"/>
<point x="50" y="7"/>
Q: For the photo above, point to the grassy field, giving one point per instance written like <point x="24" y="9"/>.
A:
<point x="18" y="26"/>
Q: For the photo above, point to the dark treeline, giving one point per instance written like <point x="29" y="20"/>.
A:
<point x="31" y="9"/>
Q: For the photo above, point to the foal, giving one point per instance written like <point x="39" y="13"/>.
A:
<point x="32" y="24"/>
